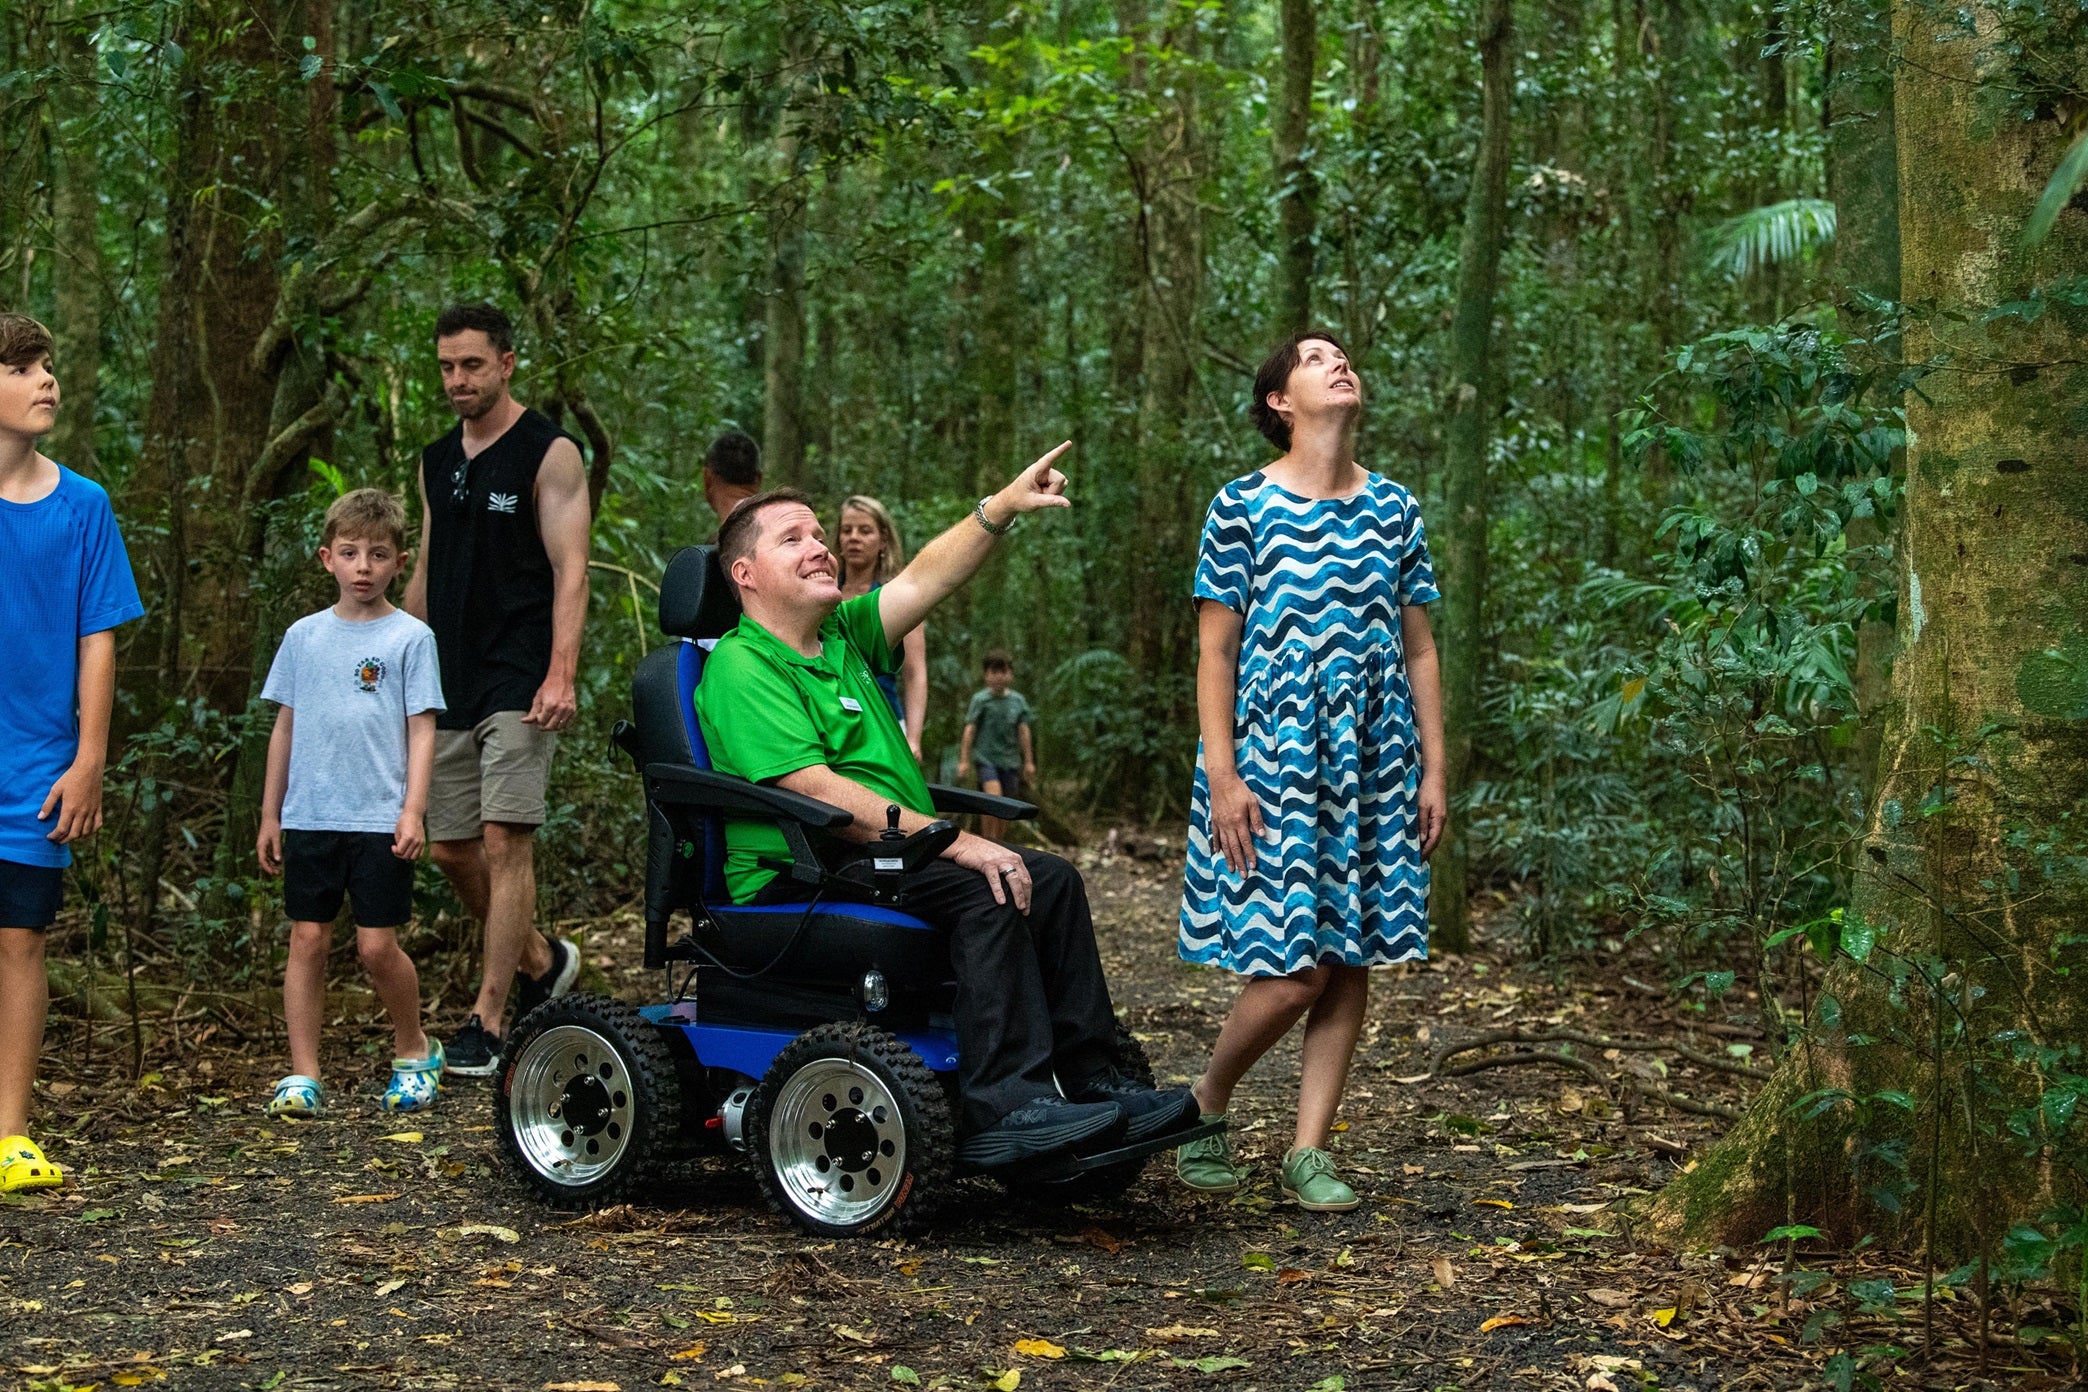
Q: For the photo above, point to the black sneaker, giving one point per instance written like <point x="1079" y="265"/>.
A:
<point x="473" y="1051"/>
<point x="1047" y="1125"/>
<point x="1147" y="1112"/>
<point x="533" y="991"/>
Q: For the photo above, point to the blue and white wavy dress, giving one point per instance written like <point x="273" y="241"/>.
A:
<point x="1323" y="732"/>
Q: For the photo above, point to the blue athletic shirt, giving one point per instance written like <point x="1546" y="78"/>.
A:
<point x="63" y="575"/>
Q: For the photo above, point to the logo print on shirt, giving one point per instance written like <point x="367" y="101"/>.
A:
<point x="369" y="673"/>
<point x="502" y="502"/>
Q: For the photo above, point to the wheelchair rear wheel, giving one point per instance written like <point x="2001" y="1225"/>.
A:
<point x="849" y="1132"/>
<point x="589" y="1104"/>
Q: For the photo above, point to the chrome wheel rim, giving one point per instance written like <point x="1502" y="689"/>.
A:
<point x="571" y="1105"/>
<point x="837" y="1140"/>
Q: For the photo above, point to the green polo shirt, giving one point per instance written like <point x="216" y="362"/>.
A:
<point x="767" y="710"/>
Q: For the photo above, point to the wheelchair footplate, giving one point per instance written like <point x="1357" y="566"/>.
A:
<point x="1053" y="1168"/>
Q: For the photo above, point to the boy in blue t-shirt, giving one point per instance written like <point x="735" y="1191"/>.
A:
<point x="68" y="585"/>
<point x="344" y="805"/>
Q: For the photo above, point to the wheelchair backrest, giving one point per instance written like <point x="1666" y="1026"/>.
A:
<point x="697" y="607"/>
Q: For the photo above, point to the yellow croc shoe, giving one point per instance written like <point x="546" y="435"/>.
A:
<point x="23" y="1166"/>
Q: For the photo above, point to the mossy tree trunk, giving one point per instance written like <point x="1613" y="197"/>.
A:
<point x="1474" y="399"/>
<point x="1984" y="750"/>
<point x="1296" y="189"/>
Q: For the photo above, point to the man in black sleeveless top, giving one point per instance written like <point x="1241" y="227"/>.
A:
<point x="502" y="579"/>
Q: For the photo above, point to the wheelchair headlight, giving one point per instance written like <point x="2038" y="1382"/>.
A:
<point x="875" y="992"/>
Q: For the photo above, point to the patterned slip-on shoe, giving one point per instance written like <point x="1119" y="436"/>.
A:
<point x="1309" y="1182"/>
<point x="414" y="1082"/>
<point x="1207" y="1164"/>
<point x="297" y="1098"/>
<point x="24" y="1166"/>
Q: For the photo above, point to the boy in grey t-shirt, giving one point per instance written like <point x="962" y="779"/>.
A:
<point x="341" y="813"/>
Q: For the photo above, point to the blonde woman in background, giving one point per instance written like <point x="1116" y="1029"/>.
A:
<point x="871" y="553"/>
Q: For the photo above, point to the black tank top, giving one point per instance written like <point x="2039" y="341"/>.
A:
<point x="489" y="579"/>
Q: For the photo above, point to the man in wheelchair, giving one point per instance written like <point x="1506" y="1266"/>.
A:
<point x="789" y="699"/>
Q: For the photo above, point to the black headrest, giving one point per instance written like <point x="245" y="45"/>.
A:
<point x="696" y="600"/>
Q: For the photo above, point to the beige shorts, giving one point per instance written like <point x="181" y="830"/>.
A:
<point x="494" y="772"/>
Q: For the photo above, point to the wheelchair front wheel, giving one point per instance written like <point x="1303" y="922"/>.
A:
<point x="849" y="1132"/>
<point x="588" y="1102"/>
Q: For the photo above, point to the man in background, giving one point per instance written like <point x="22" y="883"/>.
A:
<point x="731" y="472"/>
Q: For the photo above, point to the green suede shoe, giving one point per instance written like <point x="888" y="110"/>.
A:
<point x="1207" y="1164"/>
<point x="1310" y="1183"/>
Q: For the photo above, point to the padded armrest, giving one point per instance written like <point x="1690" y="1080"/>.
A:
<point x="948" y="799"/>
<point x="682" y="785"/>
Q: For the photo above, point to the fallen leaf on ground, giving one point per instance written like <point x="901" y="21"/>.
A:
<point x="1603" y="1296"/>
<point x="583" y="1387"/>
<point x="1182" y="1331"/>
<point x="1292" y="1276"/>
<point x="1445" y="1274"/>
<point x="488" y="1230"/>
<point x="1008" y="1381"/>
<point x="1600" y="1382"/>
<point x="1217" y="1364"/>
<point x="1040" y="1348"/>
<point x="902" y="1373"/>
<point x="692" y="1351"/>
<point x="233" y="1336"/>
<point x="1492" y="1203"/>
<point x="404" y="1137"/>
<point x="366" y="1198"/>
<point x="1501" y="1322"/>
<point x="854" y="1336"/>
<point x="1664" y="1317"/>
<point x="389" y="1286"/>
<point x="1097" y="1238"/>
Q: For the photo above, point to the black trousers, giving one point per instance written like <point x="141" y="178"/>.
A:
<point x="1031" y="1001"/>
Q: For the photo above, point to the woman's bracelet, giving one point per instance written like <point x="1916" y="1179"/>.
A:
<point x="979" y="516"/>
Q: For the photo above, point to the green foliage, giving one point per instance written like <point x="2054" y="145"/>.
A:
<point x="1777" y="235"/>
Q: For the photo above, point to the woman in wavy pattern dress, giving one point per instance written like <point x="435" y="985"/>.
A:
<point x="1319" y="789"/>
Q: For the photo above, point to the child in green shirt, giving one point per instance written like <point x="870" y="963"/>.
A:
<point x="997" y="726"/>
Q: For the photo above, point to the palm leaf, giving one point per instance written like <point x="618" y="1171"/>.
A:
<point x="1772" y="236"/>
<point x="2066" y="182"/>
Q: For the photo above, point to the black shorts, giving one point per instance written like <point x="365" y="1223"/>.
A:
<point x="321" y="867"/>
<point x="30" y="894"/>
<point x="1009" y="776"/>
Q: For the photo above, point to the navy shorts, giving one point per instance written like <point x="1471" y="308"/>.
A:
<point x="30" y="894"/>
<point x="321" y="868"/>
<point x="1009" y="776"/>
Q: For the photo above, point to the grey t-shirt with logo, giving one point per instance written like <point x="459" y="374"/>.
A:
<point x="352" y="686"/>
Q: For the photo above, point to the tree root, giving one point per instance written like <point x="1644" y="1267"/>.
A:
<point x="1441" y="1067"/>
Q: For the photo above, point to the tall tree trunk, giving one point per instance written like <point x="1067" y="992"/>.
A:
<point x="1863" y="180"/>
<point x="783" y="337"/>
<point x="1987" y="732"/>
<point x="1474" y="399"/>
<point x="1296" y="187"/>
<point x="76" y="243"/>
<point x="1169" y="309"/>
<point x="207" y="418"/>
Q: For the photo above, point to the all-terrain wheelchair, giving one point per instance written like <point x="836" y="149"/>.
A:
<point x="813" y="1037"/>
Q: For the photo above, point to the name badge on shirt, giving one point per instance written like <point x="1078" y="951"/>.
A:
<point x="851" y="705"/>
